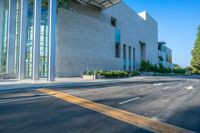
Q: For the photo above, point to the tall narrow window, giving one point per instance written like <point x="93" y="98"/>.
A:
<point x="117" y="50"/>
<point x="124" y="57"/>
<point x="143" y="51"/>
<point x="129" y="58"/>
<point x="129" y="52"/>
<point x="124" y="51"/>
<point x="133" y="58"/>
<point x="113" y="21"/>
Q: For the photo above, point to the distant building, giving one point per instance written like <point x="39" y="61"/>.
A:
<point x="165" y="55"/>
<point x="42" y="39"/>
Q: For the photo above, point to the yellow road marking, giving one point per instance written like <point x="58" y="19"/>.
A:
<point x="118" y="114"/>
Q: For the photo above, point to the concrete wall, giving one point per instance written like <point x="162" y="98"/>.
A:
<point x="84" y="43"/>
<point x="86" y="39"/>
<point x="134" y="28"/>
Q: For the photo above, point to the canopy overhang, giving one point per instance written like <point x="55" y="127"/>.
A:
<point x="102" y="4"/>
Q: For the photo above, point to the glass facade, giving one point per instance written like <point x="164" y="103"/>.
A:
<point x="165" y="52"/>
<point x="16" y="56"/>
<point x="43" y="66"/>
<point x="4" y="37"/>
<point x="44" y="36"/>
<point x="29" y="43"/>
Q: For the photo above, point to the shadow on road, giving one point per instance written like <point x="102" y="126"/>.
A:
<point x="188" y="118"/>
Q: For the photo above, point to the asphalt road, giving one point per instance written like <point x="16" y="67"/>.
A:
<point x="175" y="101"/>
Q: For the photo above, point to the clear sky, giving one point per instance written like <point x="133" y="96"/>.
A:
<point x="177" y="22"/>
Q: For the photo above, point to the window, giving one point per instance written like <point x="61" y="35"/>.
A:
<point x="129" y="52"/>
<point x="129" y="57"/>
<point x="114" y="22"/>
<point x="133" y="58"/>
<point x="143" y="51"/>
<point x="160" y="47"/>
<point x="124" y="51"/>
<point x="117" y="50"/>
<point x="124" y="57"/>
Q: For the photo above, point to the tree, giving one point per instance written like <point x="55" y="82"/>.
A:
<point x="196" y="52"/>
<point x="176" y="65"/>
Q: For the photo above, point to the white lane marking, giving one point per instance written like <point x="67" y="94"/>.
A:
<point x="20" y="100"/>
<point x="159" y="84"/>
<point x="128" y="100"/>
<point x="82" y="91"/>
<point x="166" y="88"/>
<point x="189" y="87"/>
<point x="164" y="100"/>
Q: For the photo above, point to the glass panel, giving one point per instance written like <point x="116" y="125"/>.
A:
<point x="4" y="40"/>
<point x="118" y="35"/>
<point x="43" y="66"/>
<point x="43" y="62"/>
<point x="16" y="62"/>
<point x="29" y="44"/>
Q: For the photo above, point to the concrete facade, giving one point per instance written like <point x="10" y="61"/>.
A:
<point x="86" y="39"/>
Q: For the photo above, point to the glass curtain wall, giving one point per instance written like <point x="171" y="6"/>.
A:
<point x="4" y="38"/>
<point x="43" y="62"/>
<point x="16" y="62"/>
<point x="43" y="65"/>
<point x="29" y="42"/>
<point x="43" y="68"/>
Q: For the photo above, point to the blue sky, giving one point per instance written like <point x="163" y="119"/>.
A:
<point x="177" y="22"/>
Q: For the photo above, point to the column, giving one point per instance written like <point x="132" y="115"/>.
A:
<point x="36" y="38"/>
<point x="2" y="9"/>
<point x="11" y="36"/>
<point x="23" y="38"/>
<point x="52" y="38"/>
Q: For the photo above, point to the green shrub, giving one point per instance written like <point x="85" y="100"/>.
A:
<point x="113" y="74"/>
<point x="146" y="66"/>
<point x="134" y="73"/>
<point x="178" y="70"/>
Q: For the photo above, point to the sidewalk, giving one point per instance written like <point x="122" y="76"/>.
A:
<point x="14" y="85"/>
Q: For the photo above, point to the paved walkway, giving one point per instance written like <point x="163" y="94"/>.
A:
<point x="11" y="84"/>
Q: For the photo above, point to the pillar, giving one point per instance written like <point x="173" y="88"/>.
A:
<point x="36" y="38"/>
<point x="23" y="38"/>
<point x="52" y="38"/>
<point x="11" y="36"/>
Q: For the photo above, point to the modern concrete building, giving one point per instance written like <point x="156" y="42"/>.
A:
<point x="165" y="55"/>
<point x="63" y="38"/>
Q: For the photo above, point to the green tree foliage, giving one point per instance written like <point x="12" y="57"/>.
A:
<point x="176" y="65"/>
<point x="63" y="4"/>
<point x="196" y="52"/>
